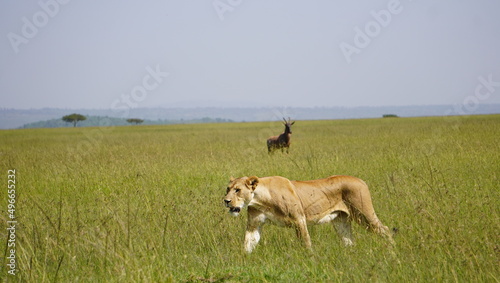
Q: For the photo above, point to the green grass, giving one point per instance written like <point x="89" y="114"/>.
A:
<point x="144" y="203"/>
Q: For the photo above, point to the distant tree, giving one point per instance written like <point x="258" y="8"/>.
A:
<point x="74" y="118"/>
<point x="390" y="116"/>
<point x="135" y="120"/>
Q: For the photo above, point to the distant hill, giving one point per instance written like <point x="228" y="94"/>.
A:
<point x="14" y="118"/>
<point x="97" y="121"/>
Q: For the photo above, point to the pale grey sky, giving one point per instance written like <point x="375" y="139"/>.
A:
<point x="118" y="54"/>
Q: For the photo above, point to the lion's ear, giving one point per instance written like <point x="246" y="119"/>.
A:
<point x="252" y="182"/>
<point x="231" y="179"/>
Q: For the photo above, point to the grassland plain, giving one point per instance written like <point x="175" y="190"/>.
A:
<point x="144" y="203"/>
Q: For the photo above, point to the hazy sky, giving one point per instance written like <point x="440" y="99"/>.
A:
<point x="112" y="54"/>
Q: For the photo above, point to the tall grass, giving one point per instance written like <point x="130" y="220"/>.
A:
<point x="144" y="203"/>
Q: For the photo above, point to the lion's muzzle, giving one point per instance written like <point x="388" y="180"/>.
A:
<point x="234" y="210"/>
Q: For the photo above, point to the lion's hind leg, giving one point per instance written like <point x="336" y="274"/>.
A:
<point x="359" y="202"/>
<point x="382" y="230"/>
<point x="372" y="223"/>
<point x="342" y="225"/>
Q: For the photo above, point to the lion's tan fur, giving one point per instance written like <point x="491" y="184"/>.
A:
<point x="336" y="199"/>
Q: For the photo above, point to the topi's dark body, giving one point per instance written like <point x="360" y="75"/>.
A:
<point x="282" y="141"/>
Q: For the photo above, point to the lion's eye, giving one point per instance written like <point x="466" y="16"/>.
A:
<point x="237" y="190"/>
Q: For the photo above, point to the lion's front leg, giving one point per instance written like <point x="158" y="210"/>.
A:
<point x="254" y="224"/>
<point x="252" y="238"/>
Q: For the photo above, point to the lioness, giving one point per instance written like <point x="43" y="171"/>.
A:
<point x="336" y="199"/>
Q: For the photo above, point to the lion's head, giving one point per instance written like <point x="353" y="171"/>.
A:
<point x="240" y="193"/>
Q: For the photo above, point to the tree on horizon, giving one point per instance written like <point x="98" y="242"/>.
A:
<point x="74" y="118"/>
<point x="135" y="120"/>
